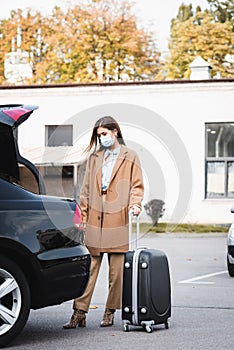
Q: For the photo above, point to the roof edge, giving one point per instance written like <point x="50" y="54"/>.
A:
<point x="130" y="83"/>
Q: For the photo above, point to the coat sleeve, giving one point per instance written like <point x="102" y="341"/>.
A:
<point x="137" y="185"/>
<point x="84" y="196"/>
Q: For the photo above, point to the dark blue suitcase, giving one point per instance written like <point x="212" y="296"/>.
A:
<point x="146" y="299"/>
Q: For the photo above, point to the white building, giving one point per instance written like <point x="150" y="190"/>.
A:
<point x="17" y="65"/>
<point x="17" y="68"/>
<point x="183" y="132"/>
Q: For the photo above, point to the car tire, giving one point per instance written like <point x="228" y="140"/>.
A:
<point x="230" y="268"/>
<point x="14" y="300"/>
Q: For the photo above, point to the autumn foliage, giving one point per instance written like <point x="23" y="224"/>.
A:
<point x="101" y="41"/>
<point x="95" y="41"/>
<point x="201" y="33"/>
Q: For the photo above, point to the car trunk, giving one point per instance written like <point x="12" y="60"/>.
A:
<point x="11" y="116"/>
<point x="8" y="158"/>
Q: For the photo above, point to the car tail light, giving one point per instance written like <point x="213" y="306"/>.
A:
<point x="77" y="219"/>
<point x="16" y="113"/>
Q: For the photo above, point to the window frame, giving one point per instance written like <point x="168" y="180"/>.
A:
<point x="47" y="126"/>
<point x="224" y="160"/>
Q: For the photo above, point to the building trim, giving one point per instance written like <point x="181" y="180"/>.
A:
<point x="131" y="83"/>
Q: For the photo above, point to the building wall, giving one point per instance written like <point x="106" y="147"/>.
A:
<point x="164" y="122"/>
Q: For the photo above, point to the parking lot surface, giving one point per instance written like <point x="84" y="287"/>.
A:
<point x="202" y="305"/>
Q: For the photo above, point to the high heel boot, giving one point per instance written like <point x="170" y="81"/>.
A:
<point x="78" y="319"/>
<point x="108" y="318"/>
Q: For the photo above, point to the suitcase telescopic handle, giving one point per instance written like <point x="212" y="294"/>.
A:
<point x="131" y="216"/>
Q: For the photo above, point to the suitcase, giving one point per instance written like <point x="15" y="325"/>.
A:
<point x="146" y="298"/>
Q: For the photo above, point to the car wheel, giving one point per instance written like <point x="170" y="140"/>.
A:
<point x="14" y="300"/>
<point x="230" y="268"/>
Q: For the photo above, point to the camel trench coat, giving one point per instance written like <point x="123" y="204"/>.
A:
<point x="106" y="217"/>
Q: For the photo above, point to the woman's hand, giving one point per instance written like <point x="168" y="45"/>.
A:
<point x="81" y="226"/>
<point x="135" y="210"/>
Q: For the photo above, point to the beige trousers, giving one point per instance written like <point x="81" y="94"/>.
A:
<point x="114" y="299"/>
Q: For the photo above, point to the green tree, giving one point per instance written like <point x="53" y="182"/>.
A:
<point x="199" y="35"/>
<point x="184" y="13"/>
<point x="223" y="11"/>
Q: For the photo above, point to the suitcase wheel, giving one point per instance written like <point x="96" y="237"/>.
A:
<point x="148" y="329"/>
<point x="166" y="325"/>
<point x="147" y="326"/>
<point x="126" y="326"/>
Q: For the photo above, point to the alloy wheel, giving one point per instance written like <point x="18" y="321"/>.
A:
<point x="10" y="301"/>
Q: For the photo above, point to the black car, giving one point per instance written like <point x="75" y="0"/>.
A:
<point x="43" y="259"/>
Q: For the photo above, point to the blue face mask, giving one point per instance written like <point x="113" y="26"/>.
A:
<point x="107" y="141"/>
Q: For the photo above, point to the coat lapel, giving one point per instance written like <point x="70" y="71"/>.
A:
<point x="122" y="154"/>
<point x="119" y="161"/>
<point x="99" y="170"/>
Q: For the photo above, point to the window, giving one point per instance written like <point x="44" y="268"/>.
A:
<point x="58" y="180"/>
<point x="219" y="160"/>
<point x="64" y="171"/>
<point x="59" y="135"/>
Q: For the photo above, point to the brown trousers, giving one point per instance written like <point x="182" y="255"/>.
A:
<point x="114" y="299"/>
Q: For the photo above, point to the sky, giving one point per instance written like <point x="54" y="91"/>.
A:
<point x="159" y="12"/>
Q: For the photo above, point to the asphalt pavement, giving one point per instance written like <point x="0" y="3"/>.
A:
<point x="202" y="305"/>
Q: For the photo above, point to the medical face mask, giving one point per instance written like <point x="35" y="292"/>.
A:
<point x="107" y="141"/>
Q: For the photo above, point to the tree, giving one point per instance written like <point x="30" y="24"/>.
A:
<point x="155" y="209"/>
<point x="90" y="42"/>
<point x="223" y="11"/>
<point x="199" y="35"/>
<point x="22" y="32"/>
<point x="184" y="13"/>
<point x="106" y="44"/>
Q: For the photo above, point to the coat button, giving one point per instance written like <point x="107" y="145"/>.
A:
<point x="99" y="217"/>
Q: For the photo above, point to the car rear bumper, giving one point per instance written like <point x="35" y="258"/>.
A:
<point x="64" y="278"/>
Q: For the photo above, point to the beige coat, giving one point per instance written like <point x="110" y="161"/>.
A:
<point x="107" y="216"/>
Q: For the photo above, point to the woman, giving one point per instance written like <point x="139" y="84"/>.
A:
<point x="112" y="186"/>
